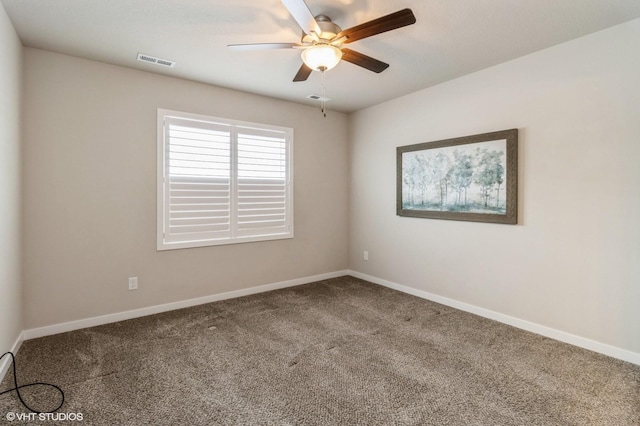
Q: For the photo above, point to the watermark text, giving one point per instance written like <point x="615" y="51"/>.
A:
<point x="43" y="417"/>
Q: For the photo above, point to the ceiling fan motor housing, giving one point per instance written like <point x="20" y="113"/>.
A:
<point x="329" y="30"/>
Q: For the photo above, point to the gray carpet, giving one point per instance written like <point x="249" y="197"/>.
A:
<point x="341" y="351"/>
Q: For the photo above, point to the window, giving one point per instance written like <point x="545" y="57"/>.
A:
<point x="222" y="181"/>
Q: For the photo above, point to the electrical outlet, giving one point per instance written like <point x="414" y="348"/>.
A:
<point x="133" y="283"/>
<point x="365" y="255"/>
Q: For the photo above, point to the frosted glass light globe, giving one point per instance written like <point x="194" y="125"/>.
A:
<point x="321" y="57"/>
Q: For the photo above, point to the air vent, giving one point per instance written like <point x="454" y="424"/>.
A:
<point x="318" y="98"/>
<point x="157" y="61"/>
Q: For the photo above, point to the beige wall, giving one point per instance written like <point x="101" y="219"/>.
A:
<point x="10" y="171"/>
<point x="90" y="192"/>
<point x="573" y="262"/>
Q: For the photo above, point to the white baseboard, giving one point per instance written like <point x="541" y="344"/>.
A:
<point x="552" y="333"/>
<point x="6" y="361"/>
<point x="121" y="316"/>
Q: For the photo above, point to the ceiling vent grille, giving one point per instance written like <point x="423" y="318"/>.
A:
<point x="318" y="98"/>
<point x="157" y="61"/>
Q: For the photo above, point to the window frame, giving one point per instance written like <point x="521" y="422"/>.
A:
<point x="163" y="173"/>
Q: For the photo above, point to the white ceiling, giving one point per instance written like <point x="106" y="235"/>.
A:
<point x="451" y="38"/>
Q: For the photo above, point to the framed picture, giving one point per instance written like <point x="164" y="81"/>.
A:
<point x="472" y="178"/>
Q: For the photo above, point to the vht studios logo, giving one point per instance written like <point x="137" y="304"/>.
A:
<point x="32" y="417"/>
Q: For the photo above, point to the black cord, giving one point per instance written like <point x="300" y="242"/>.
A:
<point x="17" y="388"/>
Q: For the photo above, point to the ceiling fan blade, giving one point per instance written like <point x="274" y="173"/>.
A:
<point x="303" y="73"/>
<point x="301" y="13"/>
<point x="363" y="61"/>
<point x="261" y="46"/>
<point x="399" y="19"/>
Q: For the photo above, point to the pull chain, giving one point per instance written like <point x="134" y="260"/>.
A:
<point x="323" y="102"/>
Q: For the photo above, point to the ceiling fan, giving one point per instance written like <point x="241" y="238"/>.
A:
<point x="322" y="39"/>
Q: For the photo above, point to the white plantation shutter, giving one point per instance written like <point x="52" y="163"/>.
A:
<point x="221" y="182"/>
<point x="262" y="182"/>
<point x="198" y="180"/>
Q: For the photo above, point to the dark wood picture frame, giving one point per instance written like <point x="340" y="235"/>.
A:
<point x="460" y="178"/>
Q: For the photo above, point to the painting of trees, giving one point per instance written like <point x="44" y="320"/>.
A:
<point x="473" y="178"/>
<point x="462" y="178"/>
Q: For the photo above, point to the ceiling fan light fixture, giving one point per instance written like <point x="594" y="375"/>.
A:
<point x="321" y="57"/>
